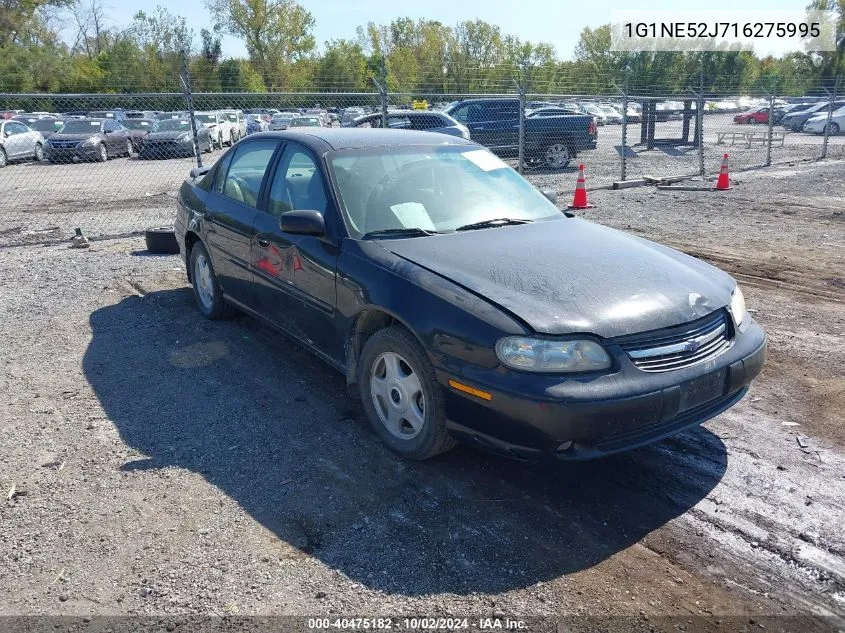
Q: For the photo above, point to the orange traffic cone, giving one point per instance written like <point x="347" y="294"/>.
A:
<point x="723" y="183"/>
<point x="580" y="199"/>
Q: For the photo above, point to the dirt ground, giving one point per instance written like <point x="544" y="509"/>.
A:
<point x="152" y="462"/>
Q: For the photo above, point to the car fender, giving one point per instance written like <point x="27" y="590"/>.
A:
<point x="453" y="324"/>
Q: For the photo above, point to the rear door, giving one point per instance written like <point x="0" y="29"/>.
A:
<point x="230" y="212"/>
<point x="295" y="274"/>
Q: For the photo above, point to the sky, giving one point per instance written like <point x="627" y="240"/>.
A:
<point x="558" y="22"/>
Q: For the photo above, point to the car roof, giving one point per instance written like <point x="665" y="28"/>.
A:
<point x="321" y="139"/>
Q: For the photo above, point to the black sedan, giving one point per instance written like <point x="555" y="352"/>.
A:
<point x="88" y="139"/>
<point x="459" y="301"/>
<point x="170" y="138"/>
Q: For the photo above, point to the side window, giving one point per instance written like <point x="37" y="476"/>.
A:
<point x="220" y="173"/>
<point x="461" y="114"/>
<point x="13" y="127"/>
<point x="246" y="171"/>
<point x="297" y="184"/>
<point x="398" y="122"/>
<point x="109" y="126"/>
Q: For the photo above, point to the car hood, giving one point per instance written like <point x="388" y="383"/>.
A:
<point x="165" y="136"/>
<point x="73" y="137"/>
<point x="571" y="275"/>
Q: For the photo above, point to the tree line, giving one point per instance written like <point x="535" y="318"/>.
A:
<point x="68" y="46"/>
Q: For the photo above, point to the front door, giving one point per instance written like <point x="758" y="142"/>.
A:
<point x="295" y="274"/>
<point x="18" y="140"/>
<point x="231" y="207"/>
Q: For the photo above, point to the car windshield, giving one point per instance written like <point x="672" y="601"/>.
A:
<point x="310" y="121"/>
<point x="431" y="188"/>
<point x="172" y="125"/>
<point x="206" y="118"/>
<point x="232" y="116"/>
<point x="46" y="125"/>
<point x="81" y="127"/>
<point x="137" y="124"/>
<point x="281" y="117"/>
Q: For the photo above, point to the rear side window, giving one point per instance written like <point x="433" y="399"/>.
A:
<point x="246" y="171"/>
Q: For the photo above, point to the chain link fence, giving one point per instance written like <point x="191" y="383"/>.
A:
<point x="112" y="164"/>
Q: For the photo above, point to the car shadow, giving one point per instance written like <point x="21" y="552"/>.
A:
<point x="271" y="427"/>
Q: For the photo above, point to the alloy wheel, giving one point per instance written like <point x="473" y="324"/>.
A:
<point x="557" y="156"/>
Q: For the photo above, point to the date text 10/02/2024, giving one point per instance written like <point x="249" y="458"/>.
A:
<point x="419" y="624"/>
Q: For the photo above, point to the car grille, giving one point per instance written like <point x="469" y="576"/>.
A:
<point x="64" y="144"/>
<point x="681" y="346"/>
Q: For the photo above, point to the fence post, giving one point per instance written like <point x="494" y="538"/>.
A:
<point x="771" y="126"/>
<point x="831" y="97"/>
<point x="623" y="165"/>
<point x="520" y="164"/>
<point x="383" y="91"/>
<point x="699" y="115"/>
<point x="185" y="76"/>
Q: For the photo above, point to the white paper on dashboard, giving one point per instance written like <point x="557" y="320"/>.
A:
<point x="413" y="215"/>
<point x="484" y="159"/>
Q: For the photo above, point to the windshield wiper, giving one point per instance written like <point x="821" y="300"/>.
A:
<point x="406" y="232"/>
<point x="491" y="223"/>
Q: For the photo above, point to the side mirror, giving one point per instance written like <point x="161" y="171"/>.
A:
<point x="551" y="195"/>
<point x="303" y="222"/>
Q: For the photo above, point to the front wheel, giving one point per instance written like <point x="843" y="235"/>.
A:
<point x="833" y="128"/>
<point x="103" y="156"/>
<point x="39" y="152"/>
<point x="3" y="158"/>
<point x="129" y="148"/>
<point x="401" y="396"/>
<point x="207" y="291"/>
<point x="557" y="156"/>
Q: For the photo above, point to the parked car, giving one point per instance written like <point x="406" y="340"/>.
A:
<point x="546" y="111"/>
<point x="170" y="138"/>
<point x="138" y="129"/>
<point x="611" y="115"/>
<point x="350" y="114"/>
<point x="457" y="299"/>
<point x="238" y="123"/>
<point x="552" y="142"/>
<point x="140" y="114"/>
<point x="323" y="114"/>
<point x="759" y="114"/>
<point x="796" y="120"/>
<point x="46" y="126"/>
<point x="18" y="142"/>
<point x="817" y="124"/>
<point x="281" y="121"/>
<point x="594" y="111"/>
<point x="414" y="120"/>
<point x="88" y="139"/>
<point x="218" y="125"/>
<point x="305" y="121"/>
<point x="633" y="115"/>
<point x="256" y="123"/>
<point x="789" y="108"/>
<point x="117" y="115"/>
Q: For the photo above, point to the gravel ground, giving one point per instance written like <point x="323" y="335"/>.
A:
<point x="155" y="463"/>
<point x="44" y="202"/>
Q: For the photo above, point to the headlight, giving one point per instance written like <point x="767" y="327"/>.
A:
<point x="184" y="136"/>
<point x="548" y="355"/>
<point x="737" y="306"/>
<point x="91" y="141"/>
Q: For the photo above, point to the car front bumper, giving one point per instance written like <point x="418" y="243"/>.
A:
<point x="532" y="417"/>
<point x="86" y="152"/>
<point x="170" y="149"/>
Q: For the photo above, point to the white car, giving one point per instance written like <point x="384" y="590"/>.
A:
<point x="238" y="123"/>
<point x="221" y="129"/>
<point x="18" y="142"/>
<point x="817" y="123"/>
<point x="611" y="115"/>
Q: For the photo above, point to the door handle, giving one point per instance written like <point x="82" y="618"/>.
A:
<point x="263" y="242"/>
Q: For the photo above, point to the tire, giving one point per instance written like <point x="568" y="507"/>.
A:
<point x="161" y="240"/>
<point x="752" y="121"/>
<point x="129" y="148"/>
<point x="220" y="141"/>
<point x="103" y="156"/>
<point x="413" y="422"/>
<point x="39" y="152"/>
<point x="3" y="159"/>
<point x="208" y="294"/>
<point x="557" y="156"/>
<point x="833" y="129"/>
